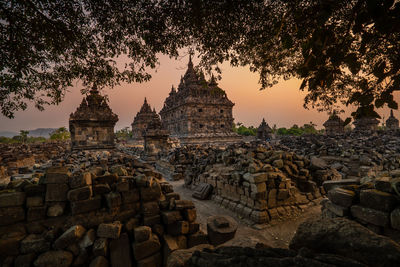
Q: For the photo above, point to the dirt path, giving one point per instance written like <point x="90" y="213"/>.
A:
<point x="277" y="235"/>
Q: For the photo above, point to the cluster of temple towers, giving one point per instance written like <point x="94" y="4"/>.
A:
<point x="198" y="111"/>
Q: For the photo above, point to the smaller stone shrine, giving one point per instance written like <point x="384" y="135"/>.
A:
<point x="264" y="132"/>
<point x="92" y="124"/>
<point x="392" y="123"/>
<point x="155" y="139"/>
<point x="142" y="120"/>
<point x="334" y="125"/>
<point x="363" y="124"/>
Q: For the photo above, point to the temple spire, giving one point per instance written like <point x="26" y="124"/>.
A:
<point x="391" y="113"/>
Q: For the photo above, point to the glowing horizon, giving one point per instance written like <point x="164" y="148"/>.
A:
<point x="281" y="104"/>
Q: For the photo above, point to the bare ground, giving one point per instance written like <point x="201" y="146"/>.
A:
<point x="277" y="234"/>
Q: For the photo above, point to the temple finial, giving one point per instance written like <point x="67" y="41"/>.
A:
<point x="190" y="64"/>
<point x="391" y="113"/>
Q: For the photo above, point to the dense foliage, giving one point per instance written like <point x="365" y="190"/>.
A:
<point x="343" y="50"/>
<point x="60" y="134"/>
<point x="308" y="128"/>
<point x="239" y="128"/>
<point x="124" y="134"/>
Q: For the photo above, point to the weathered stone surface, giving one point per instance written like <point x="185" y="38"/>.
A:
<point x="202" y="191"/>
<point x="197" y="238"/>
<point x="99" y="261"/>
<point x="11" y="215"/>
<point x="101" y="189"/>
<point x="57" y="258"/>
<point x="377" y="200"/>
<point x="221" y="229"/>
<point x="147" y="248"/>
<point x="130" y="197"/>
<point x="154" y="260"/>
<point x="56" y="192"/>
<point x="109" y="230"/>
<point x="100" y="247"/>
<point x="72" y="235"/>
<point x="81" y="180"/>
<point x="34" y="201"/>
<point x="142" y="233"/>
<point x="184" y="204"/>
<point x="329" y="185"/>
<point x="169" y="217"/>
<point x="150" y="209"/>
<point x="12" y="199"/>
<point x="56" y="209"/>
<point x="120" y="252"/>
<point x="56" y="175"/>
<point x="375" y="217"/>
<point x="9" y="244"/>
<point x="348" y="239"/>
<point x="336" y="209"/>
<point x="83" y="206"/>
<point x="178" y="228"/>
<point x="81" y="193"/>
<point x="180" y="258"/>
<point x="113" y="200"/>
<point x="25" y="260"/>
<point x="34" y="244"/>
<point x="36" y="213"/>
<point x="395" y="218"/>
<point x="88" y="239"/>
<point x="342" y="197"/>
<point x="172" y="243"/>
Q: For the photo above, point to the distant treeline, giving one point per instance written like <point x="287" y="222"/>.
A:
<point x="57" y="135"/>
<point x="308" y="128"/>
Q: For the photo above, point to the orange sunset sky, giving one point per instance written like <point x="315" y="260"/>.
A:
<point x="281" y="105"/>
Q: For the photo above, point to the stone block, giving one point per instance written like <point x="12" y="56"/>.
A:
<point x="105" y="179"/>
<point x="81" y="180"/>
<point x="184" y="204"/>
<point x="101" y="189"/>
<point x="25" y="260"/>
<point x="34" y="201"/>
<point x="121" y="252"/>
<point x="56" y="209"/>
<point x="34" y="244"/>
<point x="10" y="243"/>
<point x="100" y="247"/>
<point x="83" y="206"/>
<point x="146" y="248"/>
<point x="178" y="228"/>
<point x="59" y="258"/>
<point x="69" y="237"/>
<point x="221" y="229"/>
<point x="10" y="215"/>
<point x="336" y="209"/>
<point x="56" y="192"/>
<point x="172" y="243"/>
<point x="36" y="213"/>
<point x="122" y="186"/>
<point x="172" y="195"/>
<point x="141" y="233"/>
<point x="151" y="220"/>
<point x="329" y="185"/>
<point x="169" y="217"/>
<point x="88" y="239"/>
<point x="99" y="261"/>
<point x="151" y="193"/>
<point x="342" y="197"/>
<point x="150" y="209"/>
<point x="395" y="218"/>
<point x="375" y="217"/>
<point x="113" y="200"/>
<point x="12" y="199"/>
<point x="259" y="216"/>
<point x="34" y="189"/>
<point x="81" y="193"/>
<point x="196" y="239"/>
<point x="56" y="175"/>
<point x="130" y="196"/>
<point x="189" y="215"/>
<point x="378" y="200"/>
<point x="202" y="191"/>
<point x="154" y="260"/>
<point x="109" y="230"/>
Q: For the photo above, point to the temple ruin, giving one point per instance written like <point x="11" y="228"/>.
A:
<point x="363" y="124"/>
<point x="392" y="123"/>
<point x="264" y="131"/>
<point x="334" y="125"/>
<point x="142" y="119"/>
<point x="92" y="124"/>
<point x="199" y="111"/>
<point x="155" y="139"/>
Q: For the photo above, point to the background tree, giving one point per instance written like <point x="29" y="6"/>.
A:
<point x="60" y="134"/>
<point x="344" y="51"/>
<point x="124" y="134"/>
<point x="23" y="135"/>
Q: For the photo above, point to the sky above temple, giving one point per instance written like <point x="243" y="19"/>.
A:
<point x="281" y="105"/>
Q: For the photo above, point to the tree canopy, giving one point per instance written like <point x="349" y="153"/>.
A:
<point x="344" y="51"/>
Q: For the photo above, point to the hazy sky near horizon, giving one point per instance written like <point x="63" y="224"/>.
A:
<point x="281" y="105"/>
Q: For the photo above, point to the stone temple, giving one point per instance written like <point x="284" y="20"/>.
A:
<point x="392" y="123"/>
<point x="142" y="119"/>
<point x="334" y="125"/>
<point x="198" y="111"/>
<point x="366" y="124"/>
<point x="92" y="124"/>
<point x="264" y="131"/>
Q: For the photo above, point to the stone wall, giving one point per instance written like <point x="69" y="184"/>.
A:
<point x="374" y="204"/>
<point x="105" y="212"/>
